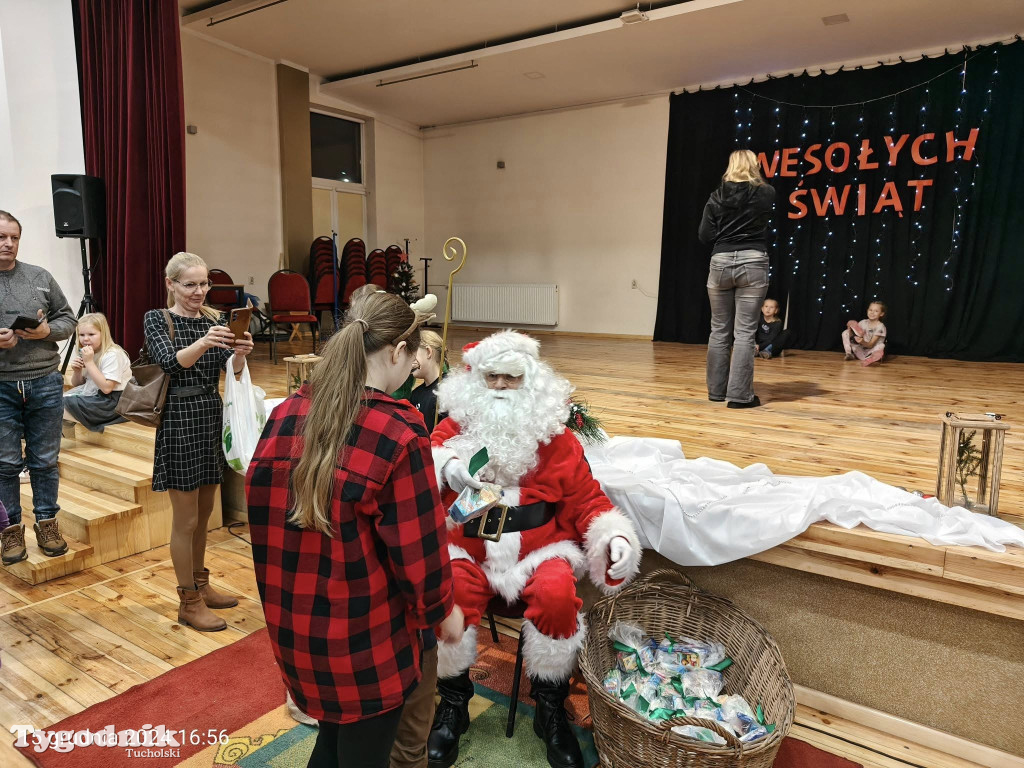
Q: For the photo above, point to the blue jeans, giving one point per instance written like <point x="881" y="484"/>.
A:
<point x="33" y="411"/>
<point x="737" y="284"/>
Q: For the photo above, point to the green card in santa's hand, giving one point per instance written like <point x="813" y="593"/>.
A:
<point x="480" y="458"/>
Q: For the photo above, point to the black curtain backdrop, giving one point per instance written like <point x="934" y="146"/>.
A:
<point x="951" y="272"/>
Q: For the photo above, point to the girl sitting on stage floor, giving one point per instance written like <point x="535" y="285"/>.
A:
<point x="100" y="372"/>
<point x="770" y="337"/>
<point x="866" y="340"/>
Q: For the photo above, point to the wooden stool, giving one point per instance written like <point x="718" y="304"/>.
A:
<point x="303" y="365"/>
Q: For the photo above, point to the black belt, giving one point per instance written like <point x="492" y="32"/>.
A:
<point x="501" y="519"/>
<point x="207" y="389"/>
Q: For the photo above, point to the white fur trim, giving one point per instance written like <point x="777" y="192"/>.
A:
<point x="551" y="659"/>
<point x="455" y="658"/>
<point x="507" y="574"/>
<point x="455" y="552"/>
<point x="502" y="344"/>
<point x="510" y="496"/>
<point x="602" y="530"/>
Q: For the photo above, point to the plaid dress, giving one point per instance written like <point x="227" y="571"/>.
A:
<point x="188" y="450"/>
<point x="343" y="613"/>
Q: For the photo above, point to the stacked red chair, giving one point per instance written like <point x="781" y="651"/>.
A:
<point x="222" y="298"/>
<point x="289" y="305"/>
<point x="353" y="267"/>
<point x="377" y="269"/>
<point x="322" y="276"/>
<point x="393" y="256"/>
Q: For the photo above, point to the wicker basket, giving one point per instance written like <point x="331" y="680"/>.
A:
<point x="667" y="601"/>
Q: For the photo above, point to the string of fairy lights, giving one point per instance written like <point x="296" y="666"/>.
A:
<point x="883" y="232"/>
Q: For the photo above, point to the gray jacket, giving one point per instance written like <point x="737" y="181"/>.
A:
<point x="25" y="290"/>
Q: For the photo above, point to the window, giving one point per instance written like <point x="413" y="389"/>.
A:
<point x="336" y="148"/>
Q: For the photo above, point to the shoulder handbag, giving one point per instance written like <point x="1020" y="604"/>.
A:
<point x="142" y="400"/>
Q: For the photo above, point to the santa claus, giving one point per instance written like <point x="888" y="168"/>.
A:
<point x="553" y="523"/>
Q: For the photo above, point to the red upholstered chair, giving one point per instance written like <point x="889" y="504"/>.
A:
<point x="377" y="269"/>
<point x="222" y="298"/>
<point x="326" y="284"/>
<point x="288" y="292"/>
<point x="353" y="267"/>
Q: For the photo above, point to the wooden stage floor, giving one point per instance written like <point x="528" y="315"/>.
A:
<point x="78" y="640"/>
<point x="820" y="415"/>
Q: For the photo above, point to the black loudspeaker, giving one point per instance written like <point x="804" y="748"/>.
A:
<point x="78" y="205"/>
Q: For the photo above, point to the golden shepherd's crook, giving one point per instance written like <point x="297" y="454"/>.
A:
<point x="450" y="252"/>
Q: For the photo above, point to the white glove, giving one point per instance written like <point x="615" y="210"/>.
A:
<point x="456" y="475"/>
<point x="619" y="552"/>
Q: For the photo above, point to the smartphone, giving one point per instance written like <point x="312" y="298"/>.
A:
<point x="25" y="323"/>
<point x="238" y="322"/>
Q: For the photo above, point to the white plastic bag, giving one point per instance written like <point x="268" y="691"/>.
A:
<point x="244" y="417"/>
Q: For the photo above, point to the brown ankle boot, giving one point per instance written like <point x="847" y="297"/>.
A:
<point x="48" y="537"/>
<point x="212" y="597"/>
<point x="193" y="612"/>
<point x="12" y="544"/>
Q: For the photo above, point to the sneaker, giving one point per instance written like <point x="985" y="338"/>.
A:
<point x="849" y="356"/>
<point x="49" y="539"/>
<point x="765" y="354"/>
<point x="752" y="404"/>
<point x="12" y="544"/>
<point x="716" y="399"/>
<point x="23" y="477"/>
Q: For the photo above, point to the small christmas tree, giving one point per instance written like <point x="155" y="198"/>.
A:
<point x="403" y="282"/>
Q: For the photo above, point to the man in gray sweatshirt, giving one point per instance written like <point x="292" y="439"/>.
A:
<point x="31" y="393"/>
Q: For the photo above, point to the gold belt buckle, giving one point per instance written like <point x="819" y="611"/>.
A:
<point x="496" y="536"/>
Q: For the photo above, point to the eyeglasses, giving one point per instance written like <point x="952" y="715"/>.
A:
<point x="203" y="286"/>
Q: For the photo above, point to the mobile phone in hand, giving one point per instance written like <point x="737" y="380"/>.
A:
<point x="238" y="322"/>
<point x="25" y="323"/>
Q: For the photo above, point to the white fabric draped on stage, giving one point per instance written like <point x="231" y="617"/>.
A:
<point x="707" y="512"/>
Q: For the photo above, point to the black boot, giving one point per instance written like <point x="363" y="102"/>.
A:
<point x="552" y="725"/>
<point x="451" y="720"/>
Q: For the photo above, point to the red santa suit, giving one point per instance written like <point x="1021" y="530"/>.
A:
<point x="538" y="565"/>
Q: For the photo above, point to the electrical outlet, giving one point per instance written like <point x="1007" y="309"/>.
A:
<point x="634" y="286"/>
<point x="252" y="280"/>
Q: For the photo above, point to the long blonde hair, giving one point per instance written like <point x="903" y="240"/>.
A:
<point x="432" y="340"/>
<point x="179" y="263"/>
<point x="743" y="166"/>
<point x="373" y="322"/>
<point x="99" y="321"/>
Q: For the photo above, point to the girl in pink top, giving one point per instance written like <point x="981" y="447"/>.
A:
<point x="866" y="340"/>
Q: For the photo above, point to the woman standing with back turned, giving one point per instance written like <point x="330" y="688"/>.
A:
<point x="736" y="221"/>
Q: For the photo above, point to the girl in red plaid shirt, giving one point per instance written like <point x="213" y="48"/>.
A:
<point x="349" y="540"/>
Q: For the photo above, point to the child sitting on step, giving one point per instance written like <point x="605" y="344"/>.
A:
<point x="100" y="372"/>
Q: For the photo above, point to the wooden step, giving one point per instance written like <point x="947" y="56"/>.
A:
<point x="38" y="568"/>
<point x="112" y="526"/>
<point x="112" y="472"/>
<point x="132" y="439"/>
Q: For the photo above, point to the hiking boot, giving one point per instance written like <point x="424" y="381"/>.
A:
<point x="12" y="544"/>
<point x="551" y="723"/>
<point x="212" y="597"/>
<point x="451" y="720"/>
<point x="48" y="537"/>
<point x="192" y="612"/>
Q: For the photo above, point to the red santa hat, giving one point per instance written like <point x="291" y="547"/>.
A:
<point x="508" y="352"/>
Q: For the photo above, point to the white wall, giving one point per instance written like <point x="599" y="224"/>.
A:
<point x="40" y="129"/>
<point x="579" y="204"/>
<point x="232" y="167"/>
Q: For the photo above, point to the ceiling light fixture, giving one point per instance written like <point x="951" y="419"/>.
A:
<point x="839" y="18"/>
<point x="634" y="16"/>
<point x="471" y="65"/>
<point x="533" y="75"/>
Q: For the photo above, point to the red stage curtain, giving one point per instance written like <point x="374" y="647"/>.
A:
<point x="133" y="119"/>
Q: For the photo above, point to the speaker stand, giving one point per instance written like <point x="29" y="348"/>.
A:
<point x="87" y="305"/>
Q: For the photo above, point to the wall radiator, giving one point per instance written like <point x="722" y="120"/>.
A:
<point x="515" y="304"/>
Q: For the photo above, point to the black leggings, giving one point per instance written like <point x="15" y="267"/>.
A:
<point x="362" y="744"/>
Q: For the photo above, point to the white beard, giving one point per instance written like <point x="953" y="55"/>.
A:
<point x="510" y="423"/>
